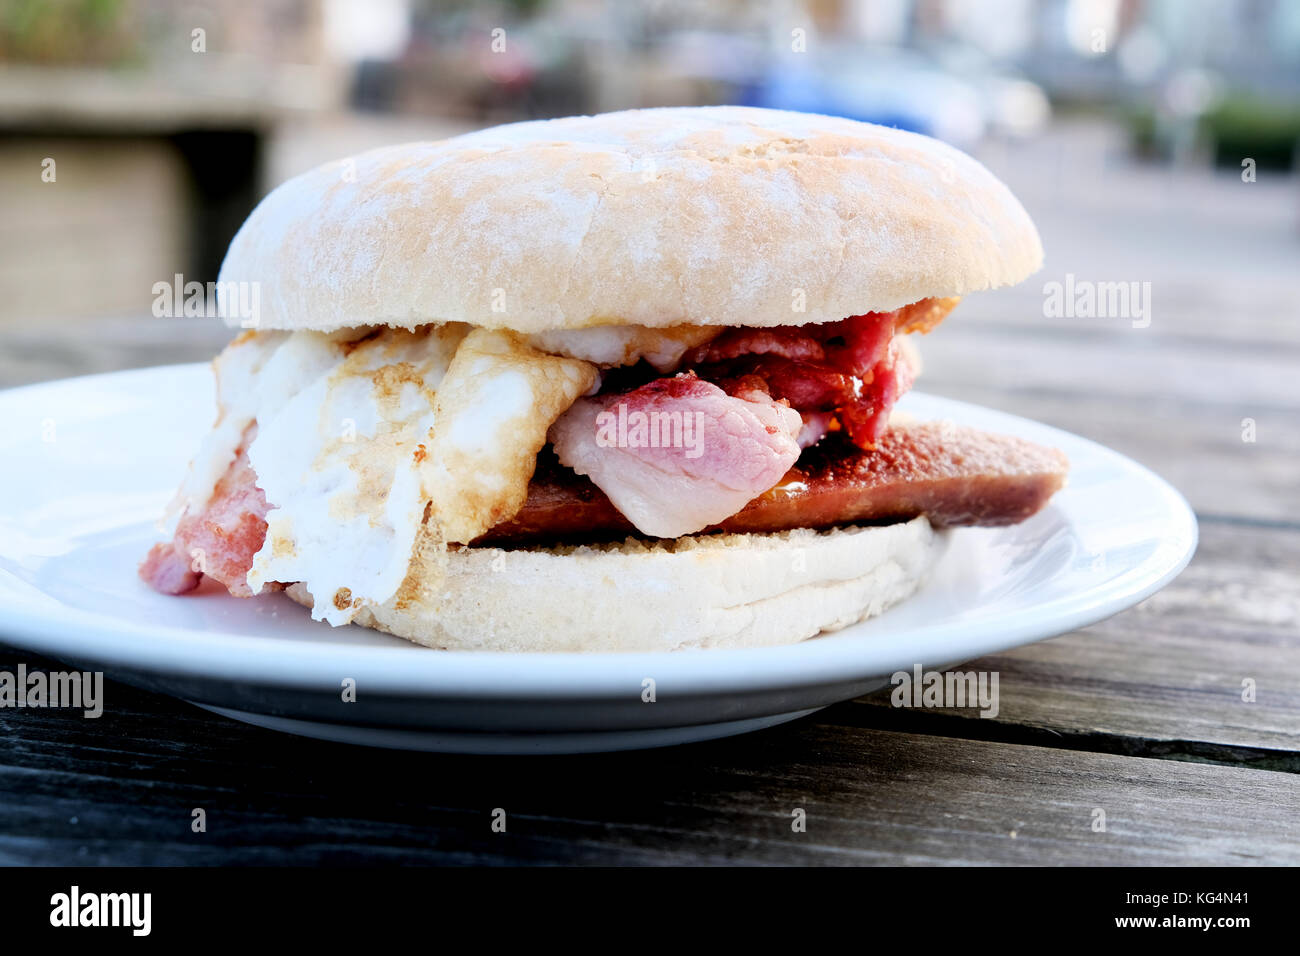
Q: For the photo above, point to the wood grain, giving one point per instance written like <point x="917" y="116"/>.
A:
<point x="1177" y="407"/>
<point x="121" y="790"/>
<point x="1165" y="679"/>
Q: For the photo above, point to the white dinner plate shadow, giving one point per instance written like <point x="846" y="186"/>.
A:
<point x="91" y="462"/>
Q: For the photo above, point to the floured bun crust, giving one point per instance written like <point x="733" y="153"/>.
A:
<point x="702" y="216"/>
<point x="706" y="591"/>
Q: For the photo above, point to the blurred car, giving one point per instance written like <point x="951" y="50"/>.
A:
<point x="886" y="86"/>
<point x="908" y="90"/>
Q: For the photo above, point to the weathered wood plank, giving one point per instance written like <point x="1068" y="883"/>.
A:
<point x="121" y="790"/>
<point x="1166" y="678"/>
<point x="1176" y="408"/>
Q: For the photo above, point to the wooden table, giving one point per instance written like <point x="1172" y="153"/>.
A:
<point x="1141" y="716"/>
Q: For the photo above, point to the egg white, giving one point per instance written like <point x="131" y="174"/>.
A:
<point x="360" y="431"/>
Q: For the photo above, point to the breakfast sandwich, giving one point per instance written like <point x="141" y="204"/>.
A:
<point x="608" y="383"/>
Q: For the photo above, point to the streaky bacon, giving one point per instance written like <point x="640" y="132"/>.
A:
<point x="924" y="315"/>
<point x="724" y="450"/>
<point x="816" y="425"/>
<point x="168" y="571"/>
<point x="221" y="539"/>
<point x="851" y="367"/>
<point x="791" y="342"/>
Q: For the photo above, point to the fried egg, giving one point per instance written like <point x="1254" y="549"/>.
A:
<point x="612" y="345"/>
<point x="364" y="434"/>
<point x="493" y="410"/>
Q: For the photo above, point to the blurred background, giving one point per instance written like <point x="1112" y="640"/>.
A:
<point x="1152" y="141"/>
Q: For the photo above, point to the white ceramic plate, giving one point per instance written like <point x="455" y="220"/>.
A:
<point x="91" y="462"/>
